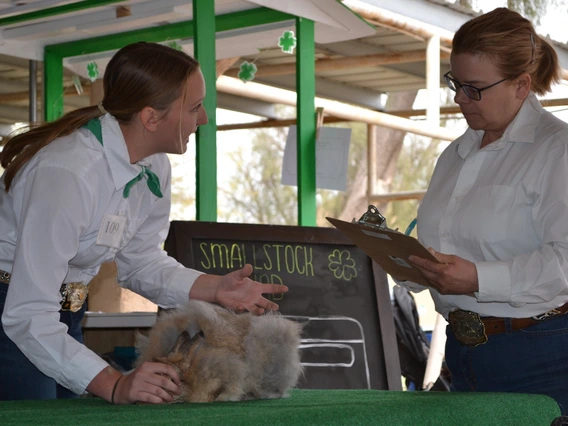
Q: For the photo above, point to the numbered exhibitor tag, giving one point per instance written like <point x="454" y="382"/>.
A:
<point x="111" y="231"/>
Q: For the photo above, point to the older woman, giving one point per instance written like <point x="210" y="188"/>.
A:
<point x="496" y="216"/>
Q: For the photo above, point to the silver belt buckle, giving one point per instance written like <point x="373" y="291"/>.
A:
<point x="467" y="327"/>
<point x="5" y="277"/>
<point x="74" y="295"/>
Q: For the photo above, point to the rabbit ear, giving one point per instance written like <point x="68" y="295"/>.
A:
<point x="184" y="343"/>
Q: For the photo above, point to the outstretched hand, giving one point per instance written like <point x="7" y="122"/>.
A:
<point x="236" y="291"/>
<point x="453" y="275"/>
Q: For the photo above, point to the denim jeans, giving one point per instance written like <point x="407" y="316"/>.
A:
<point x="531" y="360"/>
<point x="19" y="378"/>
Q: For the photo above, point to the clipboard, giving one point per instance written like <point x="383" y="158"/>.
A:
<point x="389" y="248"/>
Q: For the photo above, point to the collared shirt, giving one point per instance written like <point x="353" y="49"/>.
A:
<point x="52" y="231"/>
<point x="504" y="208"/>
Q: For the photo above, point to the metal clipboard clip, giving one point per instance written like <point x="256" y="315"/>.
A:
<point x="372" y="217"/>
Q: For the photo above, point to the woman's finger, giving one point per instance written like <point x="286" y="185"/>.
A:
<point x="158" y="369"/>
<point x="273" y="288"/>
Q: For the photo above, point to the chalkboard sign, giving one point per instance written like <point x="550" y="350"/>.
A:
<point x="340" y="295"/>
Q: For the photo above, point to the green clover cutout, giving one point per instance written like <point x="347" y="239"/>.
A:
<point x="342" y="265"/>
<point x="174" y="45"/>
<point x="247" y="71"/>
<point x="287" y="42"/>
<point x="92" y="71"/>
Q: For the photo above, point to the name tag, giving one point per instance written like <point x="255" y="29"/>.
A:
<point x="111" y="231"/>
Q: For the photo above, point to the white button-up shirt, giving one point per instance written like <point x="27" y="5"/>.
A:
<point x="505" y="208"/>
<point x="50" y="222"/>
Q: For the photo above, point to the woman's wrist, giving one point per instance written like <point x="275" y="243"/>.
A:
<point x="104" y="382"/>
<point x="205" y="288"/>
<point x="113" y="394"/>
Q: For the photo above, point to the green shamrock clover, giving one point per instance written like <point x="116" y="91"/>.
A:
<point x="247" y="71"/>
<point x="93" y="71"/>
<point x="174" y="45"/>
<point x="342" y="265"/>
<point x="287" y="42"/>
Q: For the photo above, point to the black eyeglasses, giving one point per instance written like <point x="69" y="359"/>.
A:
<point x="470" y="91"/>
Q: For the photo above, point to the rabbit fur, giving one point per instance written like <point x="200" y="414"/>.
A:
<point x="223" y="356"/>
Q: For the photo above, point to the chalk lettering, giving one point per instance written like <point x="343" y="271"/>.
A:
<point x="289" y="259"/>
<point x="267" y="266"/>
<point x="278" y="247"/>
<point x="204" y="265"/>
<point x="236" y="256"/>
<point x="309" y="263"/>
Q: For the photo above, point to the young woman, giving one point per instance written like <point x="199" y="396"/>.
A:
<point x="93" y="187"/>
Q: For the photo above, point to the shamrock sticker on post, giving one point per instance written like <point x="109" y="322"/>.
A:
<point x="92" y="71"/>
<point x="287" y="42"/>
<point x="174" y="45"/>
<point x="247" y="71"/>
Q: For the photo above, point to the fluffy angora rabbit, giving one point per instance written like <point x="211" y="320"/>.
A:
<point x="223" y="356"/>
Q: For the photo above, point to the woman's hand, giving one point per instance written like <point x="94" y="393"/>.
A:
<point x="236" y="291"/>
<point x="453" y="275"/>
<point x="151" y="382"/>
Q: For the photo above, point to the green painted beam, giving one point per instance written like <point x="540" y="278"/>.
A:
<point x="54" y="11"/>
<point x="176" y="31"/>
<point x="53" y="86"/>
<point x="206" y="139"/>
<point x="306" y="119"/>
<point x="116" y="41"/>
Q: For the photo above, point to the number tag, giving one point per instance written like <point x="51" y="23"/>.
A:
<point x="111" y="231"/>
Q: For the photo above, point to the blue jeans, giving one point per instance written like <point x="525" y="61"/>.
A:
<point x="531" y="360"/>
<point x="19" y="378"/>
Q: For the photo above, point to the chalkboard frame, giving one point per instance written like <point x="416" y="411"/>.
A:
<point x="189" y="230"/>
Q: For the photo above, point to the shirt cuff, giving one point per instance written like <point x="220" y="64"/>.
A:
<point x="494" y="280"/>
<point x="81" y="370"/>
<point x="181" y="284"/>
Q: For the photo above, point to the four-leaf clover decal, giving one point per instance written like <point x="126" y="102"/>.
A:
<point x="287" y="42"/>
<point x="92" y="71"/>
<point x="248" y="69"/>
<point x="342" y="265"/>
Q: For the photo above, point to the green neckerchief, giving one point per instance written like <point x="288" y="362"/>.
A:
<point x="152" y="179"/>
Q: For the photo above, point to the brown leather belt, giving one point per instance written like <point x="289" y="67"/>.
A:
<point x="74" y="294"/>
<point x="470" y="329"/>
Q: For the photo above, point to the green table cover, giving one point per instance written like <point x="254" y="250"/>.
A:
<point x="304" y="407"/>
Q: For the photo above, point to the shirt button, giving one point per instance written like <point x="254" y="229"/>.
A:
<point x="444" y="235"/>
<point x="457" y="197"/>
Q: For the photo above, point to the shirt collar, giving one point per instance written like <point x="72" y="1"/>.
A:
<point x="521" y="129"/>
<point x="116" y="153"/>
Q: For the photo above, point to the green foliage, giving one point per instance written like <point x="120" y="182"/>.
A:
<point x="532" y="9"/>
<point x="255" y="194"/>
<point x="331" y="203"/>
<point x="414" y="169"/>
<point x="183" y="188"/>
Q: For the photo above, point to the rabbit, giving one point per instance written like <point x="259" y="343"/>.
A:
<point x="223" y="356"/>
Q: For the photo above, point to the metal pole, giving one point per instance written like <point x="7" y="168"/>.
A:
<point x="33" y="91"/>
<point x="433" y="80"/>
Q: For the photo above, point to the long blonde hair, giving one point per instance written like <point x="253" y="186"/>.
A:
<point x="512" y="44"/>
<point x="139" y="75"/>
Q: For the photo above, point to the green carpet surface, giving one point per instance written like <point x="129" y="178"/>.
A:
<point x="303" y="407"/>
